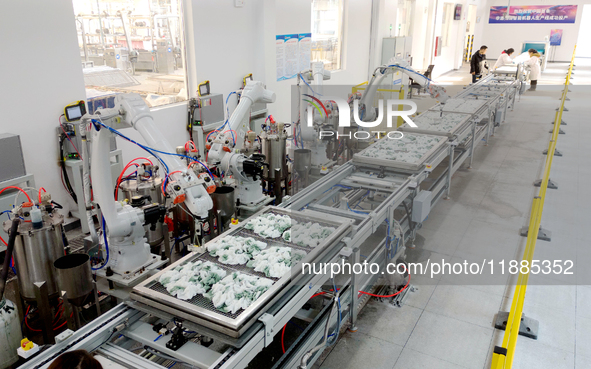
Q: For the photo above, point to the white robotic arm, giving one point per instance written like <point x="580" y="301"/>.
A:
<point x="437" y="92"/>
<point x="225" y="146"/>
<point x="125" y="223"/>
<point x="221" y="143"/>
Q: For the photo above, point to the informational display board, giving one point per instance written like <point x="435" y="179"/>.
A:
<point x="533" y="14"/>
<point x="555" y="37"/>
<point x="293" y="54"/>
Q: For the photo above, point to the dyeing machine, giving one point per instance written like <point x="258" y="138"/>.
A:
<point x="375" y="203"/>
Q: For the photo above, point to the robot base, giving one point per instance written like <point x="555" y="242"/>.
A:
<point x="251" y="209"/>
<point x="136" y="276"/>
<point x="250" y="193"/>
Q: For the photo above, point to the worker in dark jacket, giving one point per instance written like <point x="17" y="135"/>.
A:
<point x="476" y="63"/>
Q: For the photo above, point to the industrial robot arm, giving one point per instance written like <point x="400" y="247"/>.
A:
<point x="394" y="65"/>
<point x="125" y="223"/>
<point x="231" y="140"/>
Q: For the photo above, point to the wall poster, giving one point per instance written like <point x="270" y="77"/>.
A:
<point x="555" y="37"/>
<point x="293" y="54"/>
<point x="533" y="14"/>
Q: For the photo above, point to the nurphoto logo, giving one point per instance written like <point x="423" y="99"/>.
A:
<point x="386" y="108"/>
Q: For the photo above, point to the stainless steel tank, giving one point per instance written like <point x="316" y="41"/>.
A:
<point x="153" y="188"/>
<point x="302" y="161"/>
<point x="274" y="151"/>
<point x="35" y="251"/>
<point x="75" y="277"/>
<point x="223" y="200"/>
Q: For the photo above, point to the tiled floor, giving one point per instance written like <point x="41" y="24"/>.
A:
<point x="448" y="324"/>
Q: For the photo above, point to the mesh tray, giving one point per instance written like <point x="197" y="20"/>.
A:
<point x="202" y="311"/>
<point x="202" y="301"/>
<point x="360" y="157"/>
<point x="438" y="123"/>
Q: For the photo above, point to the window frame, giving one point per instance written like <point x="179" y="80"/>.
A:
<point x="339" y="59"/>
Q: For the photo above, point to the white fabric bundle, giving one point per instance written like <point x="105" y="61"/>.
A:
<point x="270" y="225"/>
<point x="234" y="250"/>
<point x="276" y="261"/>
<point x="308" y="234"/>
<point x="190" y="279"/>
<point x="237" y="291"/>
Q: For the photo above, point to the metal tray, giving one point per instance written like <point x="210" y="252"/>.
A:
<point x="432" y="123"/>
<point x="433" y="152"/>
<point x="201" y="310"/>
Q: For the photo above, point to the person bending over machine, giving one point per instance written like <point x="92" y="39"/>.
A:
<point x="504" y="59"/>
<point x="534" y="66"/>
<point x="478" y="63"/>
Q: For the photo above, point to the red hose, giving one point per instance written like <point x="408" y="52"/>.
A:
<point x="188" y="146"/>
<point x="209" y="134"/>
<point x="121" y="177"/>
<point x="387" y="296"/>
<point x="16" y="188"/>
<point x="282" y="334"/>
<point x="39" y="330"/>
<point x="40" y="193"/>
<point x="360" y="292"/>
<point x="124" y="169"/>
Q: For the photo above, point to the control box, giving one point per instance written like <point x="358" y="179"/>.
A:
<point x="421" y="206"/>
<point x="210" y="111"/>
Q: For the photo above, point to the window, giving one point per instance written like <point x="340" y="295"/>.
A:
<point x="131" y="46"/>
<point x="448" y="16"/>
<point x="404" y="18"/>
<point x="327" y="32"/>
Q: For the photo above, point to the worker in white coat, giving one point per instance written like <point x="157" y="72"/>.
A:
<point x="504" y="59"/>
<point x="534" y="65"/>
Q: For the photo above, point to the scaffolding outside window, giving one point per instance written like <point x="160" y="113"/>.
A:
<point x="131" y="46"/>
<point x="327" y="33"/>
<point x="448" y="16"/>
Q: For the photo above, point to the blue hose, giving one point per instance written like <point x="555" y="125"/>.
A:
<point x="106" y="247"/>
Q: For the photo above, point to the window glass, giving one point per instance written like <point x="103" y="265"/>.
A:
<point x="131" y="46"/>
<point x="327" y="32"/>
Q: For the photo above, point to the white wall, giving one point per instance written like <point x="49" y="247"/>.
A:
<point x="584" y="42"/>
<point x="41" y="73"/>
<point x="419" y="32"/>
<point x="502" y="36"/>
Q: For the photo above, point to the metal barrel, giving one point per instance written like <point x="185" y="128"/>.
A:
<point x="302" y="161"/>
<point x="274" y="150"/>
<point x="35" y="250"/>
<point x="75" y="277"/>
<point x="223" y="200"/>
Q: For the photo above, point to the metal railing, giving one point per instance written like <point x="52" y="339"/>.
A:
<point x="503" y="355"/>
